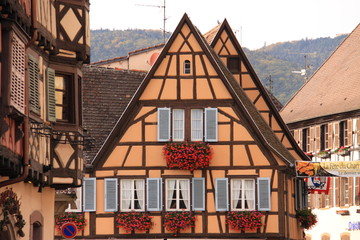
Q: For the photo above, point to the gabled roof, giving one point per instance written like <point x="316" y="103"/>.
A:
<point x="106" y="93"/>
<point x="269" y="98"/>
<point x="210" y="35"/>
<point x="333" y="89"/>
<point x="249" y="111"/>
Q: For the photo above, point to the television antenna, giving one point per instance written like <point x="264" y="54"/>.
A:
<point x="164" y="19"/>
<point x="306" y="66"/>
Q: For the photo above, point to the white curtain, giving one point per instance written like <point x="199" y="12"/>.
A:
<point x="171" y="186"/>
<point x="249" y="193"/>
<point x="139" y="185"/>
<point x="178" y="124"/>
<point x="184" y="188"/>
<point x="196" y="125"/>
<point x="236" y="194"/>
<point x="126" y="194"/>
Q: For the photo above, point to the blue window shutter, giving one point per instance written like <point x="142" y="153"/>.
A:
<point x="154" y="194"/>
<point x="211" y="122"/>
<point x="221" y="194"/>
<point x="111" y="194"/>
<point x="198" y="193"/>
<point x="89" y="194"/>
<point x="264" y="191"/>
<point x="164" y="124"/>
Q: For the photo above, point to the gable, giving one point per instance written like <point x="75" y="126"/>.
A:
<point x="227" y="47"/>
<point x="189" y="76"/>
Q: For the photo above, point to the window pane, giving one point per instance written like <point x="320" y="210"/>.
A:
<point x="242" y="194"/>
<point x="178" y="126"/>
<point x="178" y="194"/>
<point x="63" y="97"/>
<point x="132" y="194"/>
<point x="196" y="124"/>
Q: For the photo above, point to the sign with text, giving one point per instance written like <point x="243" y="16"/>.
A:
<point x="328" y="169"/>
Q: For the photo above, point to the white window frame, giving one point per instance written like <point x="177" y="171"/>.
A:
<point x="180" y="127"/>
<point x="201" y="125"/>
<point x="177" y="189"/>
<point x="235" y="199"/>
<point x="132" y="200"/>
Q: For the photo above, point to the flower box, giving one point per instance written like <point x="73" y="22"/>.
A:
<point x="306" y="218"/>
<point x="343" y="212"/>
<point x="177" y="221"/>
<point x="244" y="220"/>
<point x="132" y="221"/>
<point x="187" y="156"/>
<point x="342" y="151"/>
<point x="77" y="218"/>
<point x="324" y="154"/>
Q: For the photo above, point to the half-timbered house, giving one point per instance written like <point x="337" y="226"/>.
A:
<point x="324" y="116"/>
<point x="190" y="100"/>
<point x="43" y="45"/>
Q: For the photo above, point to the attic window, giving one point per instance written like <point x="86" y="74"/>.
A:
<point x="187" y="67"/>
<point x="233" y="64"/>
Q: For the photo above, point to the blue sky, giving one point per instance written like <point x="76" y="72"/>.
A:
<point x="257" y="21"/>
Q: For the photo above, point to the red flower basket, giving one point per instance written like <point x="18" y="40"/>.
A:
<point x="247" y="220"/>
<point x="132" y="221"/>
<point x="177" y="221"/>
<point x="306" y="218"/>
<point x="188" y="156"/>
<point x="77" y="218"/>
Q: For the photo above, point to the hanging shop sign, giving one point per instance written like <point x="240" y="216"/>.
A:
<point x="328" y="169"/>
<point x="318" y="184"/>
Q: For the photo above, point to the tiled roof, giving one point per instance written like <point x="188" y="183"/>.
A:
<point x="333" y="89"/>
<point x="106" y="93"/>
<point x="209" y="36"/>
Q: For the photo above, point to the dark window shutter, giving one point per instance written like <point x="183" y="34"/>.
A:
<point x="33" y="71"/>
<point x="17" y="95"/>
<point x="154" y="194"/>
<point x="198" y="192"/>
<point x="50" y="89"/>
<point x="211" y="128"/>
<point x="221" y="194"/>
<point x="111" y="195"/>
<point x="89" y="194"/>
<point x="163" y="124"/>
<point x="264" y="194"/>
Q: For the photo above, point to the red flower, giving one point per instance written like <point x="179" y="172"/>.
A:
<point x="250" y="220"/>
<point x="132" y="221"/>
<point x="187" y="156"/>
<point x="306" y="218"/>
<point x="177" y="221"/>
<point x="77" y="218"/>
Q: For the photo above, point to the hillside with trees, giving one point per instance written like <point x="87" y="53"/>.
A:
<point x="279" y="64"/>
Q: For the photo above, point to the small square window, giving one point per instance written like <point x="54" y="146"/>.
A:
<point x="233" y="64"/>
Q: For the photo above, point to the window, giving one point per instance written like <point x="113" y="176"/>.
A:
<point x="64" y="98"/>
<point x="233" y="64"/>
<point x="305" y="139"/>
<point x="178" y="125"/>
<point x="203" y="126"/>
<point x="324" y="137"/>
<point x="196" y="124"/>
<point x="242" y="194"/>
<point x="177" y="194"/>
<point x="187" y="67"/>
<point x="89" y="194"/>
<point x="344" y="194"/>
<point x="343" y="134"/>
<point x="132" y="195"/>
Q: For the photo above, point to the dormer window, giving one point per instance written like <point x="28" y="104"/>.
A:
<point x="187" y="67"/>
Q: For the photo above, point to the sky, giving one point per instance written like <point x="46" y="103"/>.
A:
<point x="255" y="22"/>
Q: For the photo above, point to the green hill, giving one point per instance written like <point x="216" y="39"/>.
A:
<point x="276" y="61"/>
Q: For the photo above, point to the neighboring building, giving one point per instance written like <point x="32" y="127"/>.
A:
<point x="324" y="115"/>
<point x="140" y="60"/>
<point x="43" y="46"/>
<point x="188" y="96"/>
